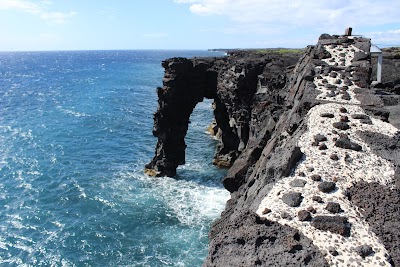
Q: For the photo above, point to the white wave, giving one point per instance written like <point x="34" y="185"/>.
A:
<point x="73" y="112"/>
<point x="80" y="189"/>
<point x="16" y="133"/>
<point x="3" y="245"/>
<point x="104" y="201"/>
<point x="191" y="202"/>
<point x="58" y="224"/>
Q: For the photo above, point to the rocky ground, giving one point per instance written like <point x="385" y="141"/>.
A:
<point x="313" y="152"/>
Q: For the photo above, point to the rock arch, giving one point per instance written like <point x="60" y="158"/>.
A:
<point x="187" y="82"/>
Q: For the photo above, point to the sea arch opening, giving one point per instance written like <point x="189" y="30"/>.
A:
<point x="200" y="147"/>
<point x="186" y="83"/>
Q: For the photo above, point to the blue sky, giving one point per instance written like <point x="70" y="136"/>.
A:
<point x="27" y="25"/>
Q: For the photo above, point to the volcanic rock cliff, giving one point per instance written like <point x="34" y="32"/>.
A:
<point x="313" y="156"/>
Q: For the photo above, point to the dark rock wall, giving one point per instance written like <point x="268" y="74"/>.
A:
<point x="249" y="241"/>
<point x="380" y="206"/>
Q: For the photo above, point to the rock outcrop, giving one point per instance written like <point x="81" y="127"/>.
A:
<point x="314" y="161"/>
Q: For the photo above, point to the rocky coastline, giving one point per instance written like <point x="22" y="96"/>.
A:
<point x="313" y="151"/>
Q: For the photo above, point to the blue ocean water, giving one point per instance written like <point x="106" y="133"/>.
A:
<point x="75" y="133"/>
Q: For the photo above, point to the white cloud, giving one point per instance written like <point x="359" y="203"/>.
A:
<point x="385" y="38"/>
<point x="326" y="14"/>
<point x="40" y="9"/>
<point x="22" y="5"/>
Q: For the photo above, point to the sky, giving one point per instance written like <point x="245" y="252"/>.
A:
<point x="28" y="25"/>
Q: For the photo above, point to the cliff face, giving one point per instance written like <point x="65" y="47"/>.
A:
<point x="314" y="176"/>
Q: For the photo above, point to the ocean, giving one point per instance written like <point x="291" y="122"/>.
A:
<point x="75" y="134"/>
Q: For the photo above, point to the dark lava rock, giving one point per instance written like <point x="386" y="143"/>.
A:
<point x="380" y="206"/>
<point x="304" y="215"/>
<point x="302" y="174"/>
<point x="347" y="144"/>
<point x="298" y="183"/>
<point x="347" y="82"/>
<point x="266" y="211"/>
<point x="364" y="250"/>
<point x="333" y="207"/>
<point x="292" y="128"/>
<point x="360" y="56"/>
<point x="326" y="187"/>
<point x="334" y="156"/>
<point x="367" y="121"/>
<point x="346" y="96"/>
<point x="333" y="251"/>
<point x="344" y="119"/>
<point x="348" y="158"/>
<point x="311" y="209"/>
<point x="334" y="224"/>
<point x="331" y="94"/>
<point x="378" y="113"/>
<point x="251" y="241"/>
<point x="327" y="115"/>
<point x="341" y="125"/>
<point x="319" y="138"/>
<point x="322" y="147"/>
<point x="387" y="147"/>
<point x="292" y="199"/>
<point x="286" y="215"/>
<point x="310" y="169"/>
<point x="323" y="54"/>
<point x="360" y="116"/>
<point x="333" y="74"/>
<point x="331" y="87"/>
<point x="317" y="199"/>
<point x="316" y="177"/>
<point x="343" y="110"/>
